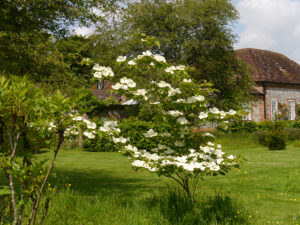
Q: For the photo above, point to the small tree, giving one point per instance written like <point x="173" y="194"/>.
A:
<point x="174" y="108"/>
<point x="29" y="122"/>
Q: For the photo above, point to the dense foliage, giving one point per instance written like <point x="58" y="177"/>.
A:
<point x="29" y="32"/>
<point x="161" y="138"/>
<point x="191" y="32"/>
<point x="29" y="122"/>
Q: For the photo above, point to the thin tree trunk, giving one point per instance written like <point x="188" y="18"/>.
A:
<point x="13" y="144"/>
<point x="45" y="210"/>
<point x="35" y="208"/>
<point x="3" y="212"/>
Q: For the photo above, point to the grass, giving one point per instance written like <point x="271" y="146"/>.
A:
<point x="105" y="190"/>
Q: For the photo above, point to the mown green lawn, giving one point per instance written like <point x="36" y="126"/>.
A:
<point x="105" y="190"/>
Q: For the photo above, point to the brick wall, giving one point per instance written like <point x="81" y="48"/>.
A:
<point x="282" y="95"/>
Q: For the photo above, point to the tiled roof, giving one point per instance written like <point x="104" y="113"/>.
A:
<point x="271" y="66"/>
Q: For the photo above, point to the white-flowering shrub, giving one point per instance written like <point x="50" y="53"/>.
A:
<point x="167" y="97"/>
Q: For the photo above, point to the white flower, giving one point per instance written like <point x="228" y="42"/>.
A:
<point x="165" y="134"/>
<point x="173" y="91"/>
<point x="208" y="134"/>
<point x="180" y="67"/>
<point x="187" y="80"/>
<point x="231" y="112"/>
<point x="78" y="118"/>
<point x="231" y="157"/>
<point x="102" y="71"/>
<point x="182" y="120"/>
<point x="116" y="86"/>
<point x="170" y="69"/>
<point x="169" y="151"/>
<point x="121" y="58"/>
<point x="139" y="163"/>
<point x="159" y="58"/>
<point x="131" y="148"/>
<point x="214" y="110"/>
<point x="147" y="53"/>
<point x="210" y="143"/>
<point x="214" y="168"/>
<point x="51" y="126"/>
<point x="132" y="63"/>
<point x="194" y="99"/>
<point x="110" y="126"/>
<point x="154" y="103"/>
<point x="180" y="100"/>
<point x="143" y="40"/>
<point x="89" y="124"/>
<point x="89" y="135"/>
<point x="120" y="140"/>
<point x="150" y="133"/>
<point x="151" y="64"/>
<point x="179" y="143"/>
<point x="163" y="84"/>
<point x="140" y="92"/>
<point x="223" y="114"/>
<point x="174" y="113"/>
<point x="127" y="83"/>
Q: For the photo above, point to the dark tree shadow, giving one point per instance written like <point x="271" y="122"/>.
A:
<point x="104" y="182"/>
<point x="218" y="209"/>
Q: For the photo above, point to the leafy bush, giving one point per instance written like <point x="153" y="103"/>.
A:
<point x="296" y="143"/>
<point x="243" y="126"/>
<point x="134" y="128"/>
<point x="292" y="133"/>
<point x="101" y="143"/>
<point x="262" y="137"/>
<point x="276" y="140"/>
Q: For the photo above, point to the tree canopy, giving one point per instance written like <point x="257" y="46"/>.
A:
<point x="191" y="32"/>
<point x="31" y="30"/>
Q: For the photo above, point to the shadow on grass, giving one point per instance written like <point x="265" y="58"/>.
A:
<point x="178" y="210"/>
<point x="104" y="182"/>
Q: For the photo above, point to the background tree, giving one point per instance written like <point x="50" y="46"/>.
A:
<point x="30" y="30"/>
<point x="191" y="32"/>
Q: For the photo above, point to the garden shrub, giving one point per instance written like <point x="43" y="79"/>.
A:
<point x="134" y="128"/>
<point x="292" y="133"/>
<point x="262" y="137"/>
<point x="296" y="143"/>
<point x="276" y="140"/>
<point x="243" y="126"/>
<point x="101" y="143"/>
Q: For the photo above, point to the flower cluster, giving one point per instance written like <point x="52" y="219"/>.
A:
<point x="102" y="72"/>
<point x="124" y="84"/>
<point x="171" y="148"/>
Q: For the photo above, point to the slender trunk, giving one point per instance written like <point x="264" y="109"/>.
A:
<point x="13" y="144"/>
<point x="35" y="208"/>
<point x="45" y="210"/>
<point x="3" y="212"/>
<point x="23" y="206"/>
<point x="184" y="183"/>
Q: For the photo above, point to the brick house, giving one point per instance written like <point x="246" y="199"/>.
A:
<point x="277" y="84"/>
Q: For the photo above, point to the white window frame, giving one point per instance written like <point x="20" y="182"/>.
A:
<point x="292" y="110"/>
<point x="247" y="108"/>
<point x="274" y="111"/>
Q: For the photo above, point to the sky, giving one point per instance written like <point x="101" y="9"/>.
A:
<point x="269" y="24"/>
<point x="264" y="24"/>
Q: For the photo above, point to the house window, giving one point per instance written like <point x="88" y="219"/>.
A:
<point x="273" y="108"/>
<point x="292" y="110"/>
<point x="247" y="109"/>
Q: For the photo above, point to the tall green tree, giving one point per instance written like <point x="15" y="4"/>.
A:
<point x="193" y="32"/>
<point x="30" y="30"/>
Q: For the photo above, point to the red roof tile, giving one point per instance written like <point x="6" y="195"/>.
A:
<point x="271" y="66"/>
